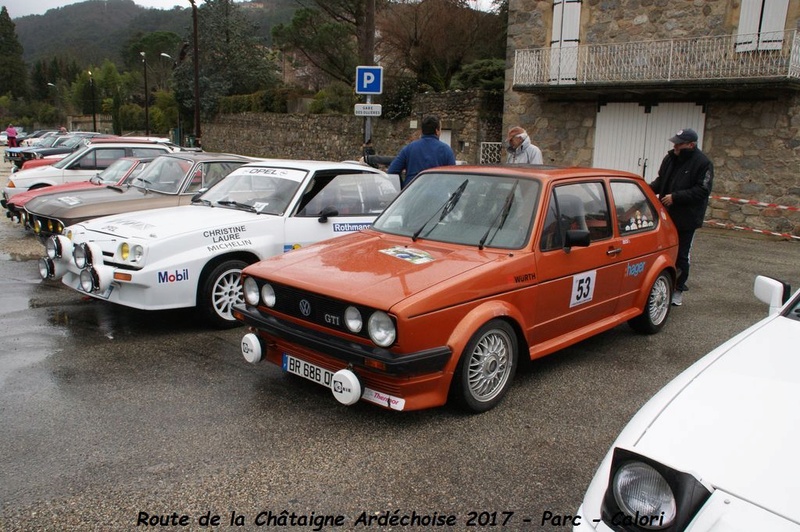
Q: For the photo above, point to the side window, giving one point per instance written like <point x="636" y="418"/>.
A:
<point x="147" y="152"/>
<point x="106" y="156"/>
<point x="635" y="213"/>
<point x="349" y="194"/>
<point x="578" y="206"/>
<point x="213" y="172"/>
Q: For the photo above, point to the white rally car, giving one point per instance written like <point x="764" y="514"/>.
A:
<point x="192" y="255"/>
<point x="716" y="449"/>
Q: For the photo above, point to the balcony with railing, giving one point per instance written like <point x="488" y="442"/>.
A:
<point x="731" y="60"/>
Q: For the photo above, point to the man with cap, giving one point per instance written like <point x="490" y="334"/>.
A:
<point x="520" y="149"/>
<point x="683" y="185"/>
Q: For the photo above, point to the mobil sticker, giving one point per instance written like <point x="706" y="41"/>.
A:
<point x="174" y="276"/>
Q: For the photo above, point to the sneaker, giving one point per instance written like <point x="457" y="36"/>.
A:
<point x="677" y="298"/>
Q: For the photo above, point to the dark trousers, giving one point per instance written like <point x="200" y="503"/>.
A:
<point x="685" y="239"/>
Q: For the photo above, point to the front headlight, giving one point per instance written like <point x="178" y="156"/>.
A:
<point x="381" y="329"/>
<point x="250" y="288"/>
<point x="268" y="295"/>
<point x="86" y="254"/>
<point x="131" y="253"/>
<point x="643" y="494"/>
<point x="353" y="319"/>
<point x="640" y="490"/>
<point x="58" y="246"/>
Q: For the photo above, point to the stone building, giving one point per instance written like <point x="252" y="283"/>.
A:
<point x="607" y="82"/>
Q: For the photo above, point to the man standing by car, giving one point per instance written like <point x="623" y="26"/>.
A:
<point x="683" y="185"/>
<point x="426" y="152"/>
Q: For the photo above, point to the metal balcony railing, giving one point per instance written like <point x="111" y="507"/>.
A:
<point x="773" y="56"/>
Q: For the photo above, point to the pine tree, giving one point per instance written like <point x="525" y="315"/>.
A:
<point x="14" y="80"/>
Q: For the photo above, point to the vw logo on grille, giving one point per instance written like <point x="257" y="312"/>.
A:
<point x="305" y="308"/>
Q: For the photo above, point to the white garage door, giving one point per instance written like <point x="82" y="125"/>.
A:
<point x="634" y="137"/>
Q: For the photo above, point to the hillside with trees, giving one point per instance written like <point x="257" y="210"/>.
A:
<point x="95" y="30"/>
<point x="137" y="65"/>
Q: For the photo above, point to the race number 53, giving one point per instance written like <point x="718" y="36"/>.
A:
<point x="582" y="288"/>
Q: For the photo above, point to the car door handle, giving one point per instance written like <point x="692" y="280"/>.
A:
<point x="613" y="251"/>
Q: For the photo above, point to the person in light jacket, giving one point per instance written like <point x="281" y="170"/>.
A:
<point x="520" y="149"/>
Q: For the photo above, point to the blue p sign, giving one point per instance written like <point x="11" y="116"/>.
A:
<point x="369" y="80"/>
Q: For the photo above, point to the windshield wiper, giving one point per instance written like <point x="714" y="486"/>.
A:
<point x="502" y="215"/>
<point x="201" y="200"/>
<point x="237" y="204"/>
<point x="445" y="209"/>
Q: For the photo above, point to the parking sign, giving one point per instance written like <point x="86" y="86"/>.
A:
<point x="369" y="80"/>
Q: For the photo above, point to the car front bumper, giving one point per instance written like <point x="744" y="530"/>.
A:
<point x="418" y="380"/>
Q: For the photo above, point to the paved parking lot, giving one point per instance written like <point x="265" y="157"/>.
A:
<point x="112" y="417"/>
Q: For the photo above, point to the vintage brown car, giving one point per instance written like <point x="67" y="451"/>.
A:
<point x="170" y="180"/>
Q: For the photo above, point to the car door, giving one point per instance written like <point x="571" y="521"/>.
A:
<point x="637" y="223"/>
<point x="578" y="286"/>
<point x="336" y="203"/>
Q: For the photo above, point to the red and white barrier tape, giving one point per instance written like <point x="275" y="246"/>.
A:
<point x="750" y="229"/>
<point x="756" y="203"/>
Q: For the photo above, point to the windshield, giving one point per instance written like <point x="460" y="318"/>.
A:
<point x="66" y="161"/>
<point x="256" y="189"/>
<point x="117" y="170"/>
<point x="164" y="174"/>
<point x="471" y="209"/>
<point x="74" y="141"/>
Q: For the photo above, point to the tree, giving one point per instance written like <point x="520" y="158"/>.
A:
<point x="328" y="45"/>
<point x="334" y="36"/>
<point x="434" y="38"/>
<point x="14" y="78"/>
<point x="232" y="59"/>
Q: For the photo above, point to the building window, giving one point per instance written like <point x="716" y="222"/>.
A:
<point x="761" y="25"/>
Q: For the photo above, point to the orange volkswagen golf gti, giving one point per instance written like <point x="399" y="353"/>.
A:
<point x="467" y="271"/>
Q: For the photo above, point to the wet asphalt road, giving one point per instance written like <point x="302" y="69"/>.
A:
<point x="106" y="412"/>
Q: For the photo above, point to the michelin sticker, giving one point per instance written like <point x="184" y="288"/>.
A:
<point x="414" y="256"/>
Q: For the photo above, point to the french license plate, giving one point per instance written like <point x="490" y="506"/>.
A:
<point x="307" y="370"/>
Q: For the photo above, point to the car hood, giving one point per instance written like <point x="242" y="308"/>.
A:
<point x="154" y="224"/>
<point x="20" y="177"/>
<point x="376" y="269"/>
<point x="736" y="424"/>
<point x="21" y="199"/>
<point x="88" y="200"/>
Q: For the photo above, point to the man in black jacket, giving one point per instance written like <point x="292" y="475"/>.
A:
<point x="683" y="185"/>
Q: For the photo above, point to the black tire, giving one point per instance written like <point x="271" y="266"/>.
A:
<point x="220" y="289"/>
<point x="486" y="368"/>
<point x="656" y="309"/>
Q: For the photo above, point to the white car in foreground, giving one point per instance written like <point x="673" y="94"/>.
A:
<point x="193" y="255"/>
<point x="717" y="448"/>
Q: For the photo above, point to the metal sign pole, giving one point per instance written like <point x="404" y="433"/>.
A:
<point x="368" y="122"/>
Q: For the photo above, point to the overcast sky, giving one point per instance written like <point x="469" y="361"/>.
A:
<point x="20" y="8"/>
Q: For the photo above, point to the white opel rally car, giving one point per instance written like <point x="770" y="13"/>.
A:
<point x="716" y="449"/>
<point x="192" y="255"/>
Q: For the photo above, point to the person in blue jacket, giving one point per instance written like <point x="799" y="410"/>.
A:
<point x="426" y="152"/>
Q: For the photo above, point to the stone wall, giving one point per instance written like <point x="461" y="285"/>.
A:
<point x="754" y="143"/>
<point x="755" y="147"/>
<point x="472" y="116"/>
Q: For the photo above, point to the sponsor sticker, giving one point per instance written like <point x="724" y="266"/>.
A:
<point x="414" y="256"/>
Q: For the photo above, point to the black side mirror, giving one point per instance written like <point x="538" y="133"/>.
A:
<point x="326" y="212"/>
<point x="576" y="237"/>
